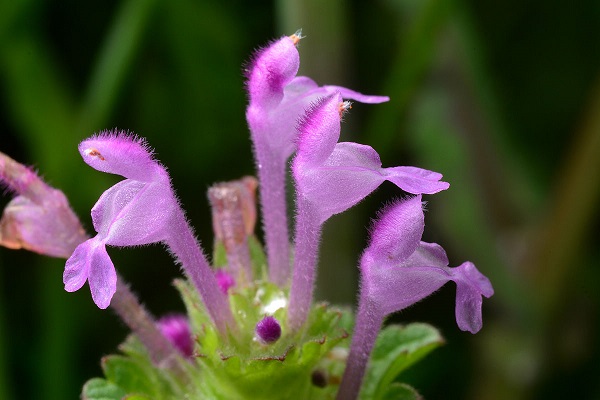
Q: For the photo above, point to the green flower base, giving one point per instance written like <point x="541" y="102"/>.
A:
<point x="304" y="365"/>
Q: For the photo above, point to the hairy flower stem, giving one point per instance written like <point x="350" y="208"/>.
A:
<point x="184" y="246"/>
<point x="308" y="234"/>
<point x="368" y="322"/>
<point x="274" y="213"/>
<point x="127" y="306"/>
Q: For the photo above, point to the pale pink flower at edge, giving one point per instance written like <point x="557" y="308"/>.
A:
<point x="39" y="218"/>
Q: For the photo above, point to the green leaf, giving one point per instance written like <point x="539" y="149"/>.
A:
<point x="132" y="376"/>
<point x="397" y="348"/>
<point x="401" y="391"/>
<point x="101" y="389"/>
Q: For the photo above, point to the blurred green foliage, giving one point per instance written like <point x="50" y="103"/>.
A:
<point x="501" y="97"/>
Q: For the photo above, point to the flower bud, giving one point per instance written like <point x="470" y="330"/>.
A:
<point x="176" y="329"/>
<point x="268" y="330"/>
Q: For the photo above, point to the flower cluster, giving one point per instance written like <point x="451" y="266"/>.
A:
<point x="251" y="310"/>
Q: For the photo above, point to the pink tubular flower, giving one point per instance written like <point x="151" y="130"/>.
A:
<point x="39" y="218"/>
<point x="277" y="98"/>
<point x="398" y="270"/>
<point x="334" y="176"/>
<point x="331" y="177"/>
<point x="141" y="209"/>
<point x="133" y="212"/>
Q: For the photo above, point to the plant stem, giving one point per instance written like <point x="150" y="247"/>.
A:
<point x="308" y="235"/>
<point x="127" y="306"/>
<point x="184" y="246"/>
<point x="366" y="329"/>
<point x="271" y="174"/>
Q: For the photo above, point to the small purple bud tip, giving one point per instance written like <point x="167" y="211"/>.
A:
<point x="268" y="330"/>
<point x="224" y="280"/>
<point x="176" y="329"/>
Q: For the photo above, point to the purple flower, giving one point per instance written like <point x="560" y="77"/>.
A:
<point x="268" y="330"/>
<point x="176" y="328"/>
<point x="39" y="218"/>
<point x="133" y="212"/>
<point x="334" y="176"/>
<point x="139" y="210"/>
<point x="331" y="177"/>
<point x="277" y="98"/>
<point x="397" y="270"/>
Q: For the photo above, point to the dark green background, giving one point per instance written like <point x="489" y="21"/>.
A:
<point x="503" y="98"/>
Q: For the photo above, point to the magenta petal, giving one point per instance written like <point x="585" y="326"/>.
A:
<point x="470" y="286"/>
<point x="398" y="270"/>
<point x="102" y="277"/>
<point x="77" y="268"/>
<point x="398" y="232"/>
<point x="39" y="218"/>
<point x="91" y="262"/>
<point x="319" y="131"/>
<point x="429" y="254"/>
<point x="117" y="152"/>
<point x="348" y="176"/>
<point x="271" y="70"/>
<point x="350" y="173"/>
<point x="416" y="180"/>
<point x="134" y="213"/>
<point x="352" y="95"/>
<point x="394" y="289"/>
<point x="299" y="85"/>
